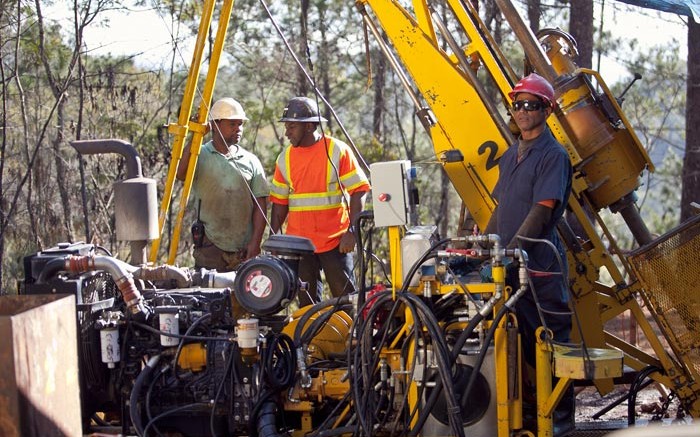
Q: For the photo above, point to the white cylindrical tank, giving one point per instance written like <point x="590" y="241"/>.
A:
<point x="417" y="241"/>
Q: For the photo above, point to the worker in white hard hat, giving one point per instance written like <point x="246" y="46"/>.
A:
<point x="230" y="193"/>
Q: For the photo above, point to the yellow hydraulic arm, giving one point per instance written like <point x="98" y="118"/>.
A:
<point x="180" y="129"/>
<point x="458" y="118"/>
<point x="439" y="55"/>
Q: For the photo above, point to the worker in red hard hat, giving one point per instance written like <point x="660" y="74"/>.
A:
<point x="532" y="191"/>
<point x="318" y="189"/>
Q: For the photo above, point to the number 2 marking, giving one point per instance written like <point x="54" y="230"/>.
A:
<point x="491" y="160"/>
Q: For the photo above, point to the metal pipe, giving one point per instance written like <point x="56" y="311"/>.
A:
<point x="533" y="51"/>
<point x="165" y="272"/>
<point x="96" y="147"/>
<point x="471" y="77"/>
<point x="426" y="118"/>
<point x="630" y="214"/>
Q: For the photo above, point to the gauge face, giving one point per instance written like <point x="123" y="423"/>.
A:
<point x="259" y="284"/>
<point x="264" y="285"/>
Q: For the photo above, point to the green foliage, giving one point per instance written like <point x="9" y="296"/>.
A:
<point x="655" y="107"/>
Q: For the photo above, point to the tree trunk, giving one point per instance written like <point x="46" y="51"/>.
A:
<point x="378" y="80"/>
<point x="691" y="161"/>
<point x="581" y="28"/>
<point x="62" y="172"/>
<point x="303" y="44"/>
<point x="324" y="64"/>
<point x="534" y="13"/>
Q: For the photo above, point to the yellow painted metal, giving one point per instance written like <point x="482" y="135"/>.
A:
<point x="180" y="130"/>
<point x="505" y="403"/>
<point x="543" y="378"/>
<point x="499" y="274"/>
<point x="332" y="338"/>
<point x="591" y="363"/>
<point x="423" y="18"/>
<point x="184" y="123"/>
<point x="395" y="234"/>
<point x="482" y="44"/>
<point x="413" y="398"/>
<point x="193" y="357"/>
<point x="455" y="103"/>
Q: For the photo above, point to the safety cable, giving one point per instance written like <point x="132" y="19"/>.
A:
<point x="565" y="283"/>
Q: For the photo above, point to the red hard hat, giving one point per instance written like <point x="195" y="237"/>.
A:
<point x="536" y="85"/>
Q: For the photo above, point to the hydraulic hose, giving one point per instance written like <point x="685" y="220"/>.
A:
<point x="50" y="269"/>
<point x="303" y="320"/>
<point x="636" y="386"/>
<point x="432" y="399"/>
<point x="267" y="420"/>
<point x="134" y="412"/>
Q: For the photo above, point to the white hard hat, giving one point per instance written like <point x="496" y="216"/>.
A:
<point x="227" y="109"/>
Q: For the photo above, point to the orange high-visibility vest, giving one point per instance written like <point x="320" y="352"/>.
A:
<point x="306" y="179"/>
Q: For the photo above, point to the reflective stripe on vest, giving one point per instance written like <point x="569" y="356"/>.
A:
<point x="330" y="199"/>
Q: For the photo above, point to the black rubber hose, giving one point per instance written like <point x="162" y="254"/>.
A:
<point x="634" y="388"/>
<point x="432" y="399"/>
<point x="357" y="226"/>
<point x="484" y="349"/>
<point x="50" y="269"/>
<point x="356" y="355"/>
<point x="279" y="372"/>
<point x="267" y="420"/>
<point x="134" y="412"/>
<point x="444" y="367"/>
<point x="303" y="320"/>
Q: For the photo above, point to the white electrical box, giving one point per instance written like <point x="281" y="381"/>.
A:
<point x="390" y="181"/>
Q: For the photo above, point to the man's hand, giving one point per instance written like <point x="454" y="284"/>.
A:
<point x="347" y="242"/>
<point x="252" y="250"/>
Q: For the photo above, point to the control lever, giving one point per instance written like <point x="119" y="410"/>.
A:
<point x="621" y="99"/>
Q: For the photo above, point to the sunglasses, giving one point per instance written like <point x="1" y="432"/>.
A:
<point x="528" y="105"/>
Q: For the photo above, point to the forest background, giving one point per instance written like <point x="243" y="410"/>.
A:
<point x="55" y="90"/>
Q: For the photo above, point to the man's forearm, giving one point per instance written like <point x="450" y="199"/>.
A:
<point x="533" y="226"/>
<point x="277" y="217"/>
<point x="259" y="214"/>
<point x="357" y="204"/>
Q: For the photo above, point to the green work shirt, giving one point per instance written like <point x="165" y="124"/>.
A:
<point x="221" y="182"/>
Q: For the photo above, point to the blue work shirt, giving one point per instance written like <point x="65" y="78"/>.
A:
<point x="543" y="173"/>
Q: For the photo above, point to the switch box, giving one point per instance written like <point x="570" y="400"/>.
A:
<point x="390" y="182"/>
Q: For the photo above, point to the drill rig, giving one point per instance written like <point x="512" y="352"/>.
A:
<point x="435" y="352"/>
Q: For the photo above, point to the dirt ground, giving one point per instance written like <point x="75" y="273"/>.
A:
<point x="649" y="402"/>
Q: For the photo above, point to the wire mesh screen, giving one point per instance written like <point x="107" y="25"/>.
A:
<point x="669" y="270"/>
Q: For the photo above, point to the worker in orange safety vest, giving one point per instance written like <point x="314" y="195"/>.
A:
<point x="314" y="175"/>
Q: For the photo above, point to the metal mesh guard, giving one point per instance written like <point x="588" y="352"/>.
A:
<point x="669" y="270"/>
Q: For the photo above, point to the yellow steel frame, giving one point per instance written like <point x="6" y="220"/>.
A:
<point x="464" y="121"/>
<point x="184" y="123"/>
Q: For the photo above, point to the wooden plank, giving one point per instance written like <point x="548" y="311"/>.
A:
<point x="39" y="387"/>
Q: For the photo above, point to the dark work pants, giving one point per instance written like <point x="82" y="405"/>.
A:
<point x="337" y="269"/>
